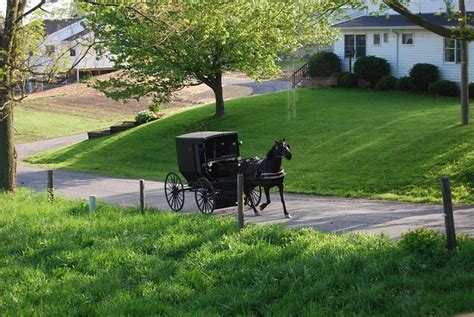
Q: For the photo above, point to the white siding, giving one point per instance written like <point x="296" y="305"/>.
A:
<point x="427" y="48"/>
<point x="421" y="6"/>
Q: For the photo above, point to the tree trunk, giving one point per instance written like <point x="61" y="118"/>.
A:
<point x="464" y="85"/>
<point x="464" y="68"/>
<point x="7" y="150"/>
<point x="219" y="93"/>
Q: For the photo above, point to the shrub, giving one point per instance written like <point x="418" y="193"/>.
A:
<point x="422" y="75"/>
<point x="154" y="106"/>
<point x="425" y="244"/>
<point x="471" y="90"/>
<point x="404" y="84"/>
<point x="323" y="64"/>
<point x="386" y="83"/>
<point x="371" y="69"/>
<point x="334" y="79"/>
<point x="144" y="116"/>
<point x="347" y="80"/>
<point x="444" y="88"/>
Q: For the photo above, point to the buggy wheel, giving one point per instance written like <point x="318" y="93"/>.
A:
<point x="256" y="196"/>
<point x="174" y="191"/>
<point x="205" y="196"/>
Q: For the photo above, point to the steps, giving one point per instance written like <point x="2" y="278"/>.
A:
<point x="125" y="125"/>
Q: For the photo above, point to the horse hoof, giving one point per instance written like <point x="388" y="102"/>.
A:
<point x="288" y="216"/>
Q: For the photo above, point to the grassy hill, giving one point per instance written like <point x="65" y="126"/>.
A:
<point x="57" y="259"/>
<point x="345" y="142"/>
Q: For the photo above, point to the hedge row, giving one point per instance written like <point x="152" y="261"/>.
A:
<point x="373" y="72"/>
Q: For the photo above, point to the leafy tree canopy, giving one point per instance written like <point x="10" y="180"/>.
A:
<point x="163" y="46"/>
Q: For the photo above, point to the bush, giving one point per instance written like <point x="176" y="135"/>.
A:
<point x="154" y="106"/>
<point x="471" y="90"/>
<point x="334" y="79"/>
<point x="323" y="64"/>
<point x="422" y="75"/>
<point x="404" y="84"/>
<point x="144" y="116"/>
<point x="444" y="88"/>
<point x="386" y="83"/>
<point x="371" y="69"/>
<point x="347" y="80"/>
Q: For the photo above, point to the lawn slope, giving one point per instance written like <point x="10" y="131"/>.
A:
<point x="32" y="125"/>
<point x="57" y="259"/>
<point x="345" y="142"/>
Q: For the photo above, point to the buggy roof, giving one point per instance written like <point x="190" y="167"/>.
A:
<point x="205" y="135"/>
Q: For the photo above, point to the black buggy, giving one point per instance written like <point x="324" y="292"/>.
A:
<point x="210" y="162"/>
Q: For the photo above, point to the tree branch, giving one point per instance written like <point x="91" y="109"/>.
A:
<point x="36" y="7"/>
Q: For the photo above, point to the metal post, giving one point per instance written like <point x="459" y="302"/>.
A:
<point x="240" y="200"/>
<point x="448" y="213"/>
<point x="50" y="190"/>
<point x="92" y="203"/>
<point x="142" y="196"/>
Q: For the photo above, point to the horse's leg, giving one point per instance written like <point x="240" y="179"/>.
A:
<point x="281" y="187"/>
<point x="266" y="188"/>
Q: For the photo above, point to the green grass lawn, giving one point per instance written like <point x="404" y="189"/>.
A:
<point x="60" y="260"/>
<point x="355" y="143"/>
<point x="35" y="125"/>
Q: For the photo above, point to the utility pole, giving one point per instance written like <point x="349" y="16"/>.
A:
<point x="464" y="67"/>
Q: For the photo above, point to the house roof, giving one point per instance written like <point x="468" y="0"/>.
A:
<point x="394" y="21"/>
<point x="77" y="35"/>
<point x="52" y="26"/>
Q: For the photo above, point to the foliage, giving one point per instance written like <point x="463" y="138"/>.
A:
<point x="323" y="64"/>
<point x="444" y="88"/>
<point x="386" y="83"/>
<point x="337" y="148"/>
<point x="162" y="46"/>
<point x="334" y="79"/>
<point x="422" y="75"/>
<point x="145" y="116"/>
<point x="425" y="244"/>
<point x="404" y="83"/>
<point x="347" y="80"/>
<point x="154" y="106"/>
<point x="57" y="259"/>
<point x="371" y="69"/>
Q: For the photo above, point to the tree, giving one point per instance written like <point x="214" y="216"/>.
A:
<point x="462" y="33"/>
<point x="22" y="57"/>
<point x="163" y="46"/>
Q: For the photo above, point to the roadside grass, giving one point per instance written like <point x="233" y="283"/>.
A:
<point x="57" y="259"/>
<point x="353" y="143"/>
<point x="36" y="125"/>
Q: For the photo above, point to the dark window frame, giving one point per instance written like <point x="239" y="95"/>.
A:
<point x="353" y="42"/>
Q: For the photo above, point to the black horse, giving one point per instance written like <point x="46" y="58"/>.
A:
<point x="268" y="173"/>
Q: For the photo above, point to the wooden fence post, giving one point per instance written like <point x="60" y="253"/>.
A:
<point x="240" y="201"/>
<point x="142" y="196"/>
<point x="50" y="189"/>
<point x="448" y="213"/>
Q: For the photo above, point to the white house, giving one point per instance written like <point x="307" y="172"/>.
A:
<point x="403" y="43"/>
<point x="69" y="37"/>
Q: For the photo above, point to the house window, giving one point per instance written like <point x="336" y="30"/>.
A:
<point x="72" y="52"/>
<point x="407" y="38"/>
<point x="354" y="45"/>
<point x="452" y="51"/>
<point x="385" y="37"/>
<point x="376" y="39"/>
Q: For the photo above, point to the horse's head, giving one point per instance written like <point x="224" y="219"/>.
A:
<point x="282" y="148"/>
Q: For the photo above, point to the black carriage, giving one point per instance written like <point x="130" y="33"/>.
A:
<point x="210" y="162"/>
